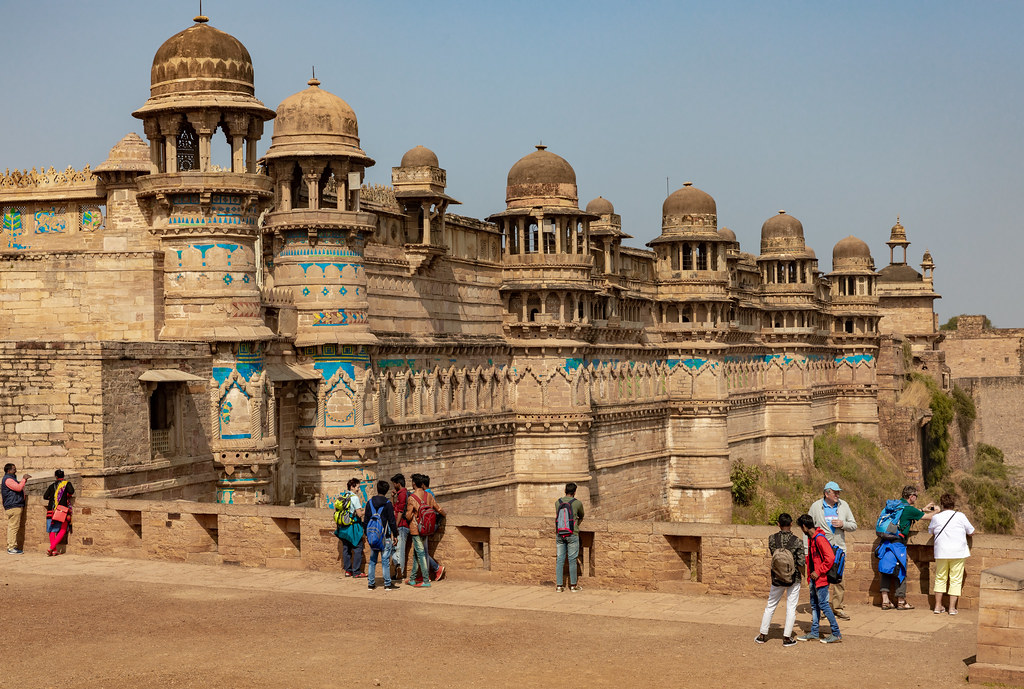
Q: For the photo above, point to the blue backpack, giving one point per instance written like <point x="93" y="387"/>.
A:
<point x="888" y="525"/>
<point x="375" y="529"/>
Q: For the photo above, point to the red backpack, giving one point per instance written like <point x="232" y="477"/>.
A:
<point x="426" y="517"/>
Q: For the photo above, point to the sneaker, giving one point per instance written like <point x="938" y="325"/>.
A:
<point x="832" y="639"/>
<point x="392" y="587"/>
<point x="422" y="585"/>
<point x="789" y="641"/>
<point x="807" y="637"/>
<point x="348" y="575"/>
<point x="761" y="639"/>
<point x="410" y="583"/>
<point x="575" y="588"/>
<point x="841" y="614"/>
<point x="371" y="586"/>
<point x="359" y="575"/>
<point x="439" y="573"/>
<point x="15" y="551"/>
<point x="559" y="589"/>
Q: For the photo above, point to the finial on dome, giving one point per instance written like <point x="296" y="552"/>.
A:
<point x="313" y="81"/>
<point x="687" y="184"/>
<point x="200" y="18"/>
<point x="541" y="147"/>
<point x="781" y="212"/>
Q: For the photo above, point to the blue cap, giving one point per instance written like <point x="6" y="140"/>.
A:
<point x="832" y="485"/>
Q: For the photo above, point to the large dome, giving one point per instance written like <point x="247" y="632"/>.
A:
<point x="202" y="67"/>
<point x="315" y="122"/>
<point x="852" y="254"/>
<point x="690" y="210"/>
<point x="541" y="178"/>
<point x="420" y="156"/>
<point x="783" y="234"/>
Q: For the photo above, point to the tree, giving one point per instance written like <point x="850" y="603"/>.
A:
<point x="952" y="323"/>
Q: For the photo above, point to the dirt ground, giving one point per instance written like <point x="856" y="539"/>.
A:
<point x="83" y="632"/>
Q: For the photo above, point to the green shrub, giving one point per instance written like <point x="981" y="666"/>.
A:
<point x="941" y="404"/>
<point x="965" y="411"/>
<point x="744" y="482"/>
<point x="988" y="463"/>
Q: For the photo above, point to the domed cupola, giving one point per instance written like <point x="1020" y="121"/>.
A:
<point x="782" y="234"/>
<point x="688" y="210"/>
<point x="851" y="255"/>
<point x="315" y="122"/>
<point x="541" y="178"/>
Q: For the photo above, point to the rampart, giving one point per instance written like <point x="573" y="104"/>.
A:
<point x="624" y="555"/>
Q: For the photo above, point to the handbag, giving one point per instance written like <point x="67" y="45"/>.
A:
<point x="61" y="513"/>
<point x="351" y="534"/>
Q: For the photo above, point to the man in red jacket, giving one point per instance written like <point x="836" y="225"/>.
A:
<point x="820" y="557"/>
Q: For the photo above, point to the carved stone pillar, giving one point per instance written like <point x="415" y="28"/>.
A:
<point x="237" y="127"/>
<point x="205" y="124"/>
<point x="169" y="125"/>
<point x="254" y="134"/>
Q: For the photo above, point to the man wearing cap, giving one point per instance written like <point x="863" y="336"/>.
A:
<point x="833" y="516"/>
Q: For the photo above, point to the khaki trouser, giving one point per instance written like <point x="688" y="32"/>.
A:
<point x="15" y="520"/>
<point x="835" y="595"/>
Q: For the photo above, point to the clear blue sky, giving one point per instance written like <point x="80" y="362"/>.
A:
<point x="844" y="114"/>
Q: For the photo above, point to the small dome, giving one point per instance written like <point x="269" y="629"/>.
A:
<point x="782" y="234"/>
<point x="727" y="234"/>
<point x="421" y="156"/>
<point x="850" y="247"/>
<point x="688" y="201"/>
<point x="541" y="176"/>
<point x="315" y="122"/>
<point x="600" y="206"/>
<point x="201" y="58"/>
<point x="898" y="233"/>
<point x="130" y="154"/>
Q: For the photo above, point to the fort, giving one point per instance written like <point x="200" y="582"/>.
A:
<point x="258" y="334"/>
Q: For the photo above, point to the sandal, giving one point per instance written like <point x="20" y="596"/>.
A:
<point x="952" y="612"/>
<point x="887" y="606"/>
<point x="904" y="605"/>
<point x="939" y="610"/>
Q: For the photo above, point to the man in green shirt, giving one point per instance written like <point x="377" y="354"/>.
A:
<point x="568" y="515"/>
<point x="909" y="515"/>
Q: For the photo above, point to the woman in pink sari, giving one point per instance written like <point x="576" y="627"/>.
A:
<point x="58" y="510"/>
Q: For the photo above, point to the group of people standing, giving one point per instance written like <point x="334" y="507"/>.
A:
<point x="387" y="523"/>
<point x="59" y="497"/>
<point x="824" y="527"/>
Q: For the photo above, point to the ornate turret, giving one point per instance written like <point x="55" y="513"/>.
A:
<point x="419" y="184"/>
<point x="854" y="293"/>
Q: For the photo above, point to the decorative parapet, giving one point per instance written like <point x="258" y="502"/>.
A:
<point x="23" y="179"/>
<point x="379" y="195"/>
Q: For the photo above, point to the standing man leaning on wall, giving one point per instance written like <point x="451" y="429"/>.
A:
<point x="13" y="492"/>
<point x="834" y="517"/>
<point x="568" y="515"/>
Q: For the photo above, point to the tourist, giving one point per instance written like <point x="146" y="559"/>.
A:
<point x="568" y="516"/>
<point x="420" y="502"/>
<point x="437" y="569"/>
<point x="833" y="516"/>
<point x="951" y="529"/>
<point x="379" y="510"/>
<point x="820" y="557"/>
<point x="13" y="492"/>
<point x="787" y="568"/>
<point x="896" y="581"/>
<point x="58" y="498"/>
<point x="352" y="550"/>
<point x="400" y="500"/>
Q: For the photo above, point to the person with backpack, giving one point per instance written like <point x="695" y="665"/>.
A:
<point x="893" y="527"/>
<point x="422" y="513"/>
<point x="348" y="510"/>
<point x="820" y="558"/>
<point x="950" y="529"/>
<point x="380" y="526"/>
<point x="835" y="518"/>
<point x="787" y="568"/>
<point x="436" y="568"/>
<point x="568" y="515"/>
<point x="58" y="496"/>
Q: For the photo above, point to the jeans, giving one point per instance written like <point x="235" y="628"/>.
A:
<point x="819" y="605"/>
<point x="399" y="555"/>
<point x="385" y="564"/>
<point x="566" y="545"/>
<point x="430" y="561"/>
<point x="352" y="557"/>
<point x="419" y="560"/>
<point x="774" y="596"/>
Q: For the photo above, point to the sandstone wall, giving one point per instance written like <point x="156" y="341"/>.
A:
<point x="625" y="555"/>
<point x="81" y="296"/>
<point x="1000" y="658"/>
<point x="1000" y="420"/>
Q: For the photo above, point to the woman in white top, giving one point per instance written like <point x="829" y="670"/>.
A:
<point x="951" y="529"/>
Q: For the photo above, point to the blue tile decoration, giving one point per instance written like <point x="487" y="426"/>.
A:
<point x="11" y="227"/>
<point x="52" y="221"/>
<point x="91" y="219"/>
<point x="228" y="279"/>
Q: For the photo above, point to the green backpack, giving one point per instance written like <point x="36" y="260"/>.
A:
<point x="344" y="515"/>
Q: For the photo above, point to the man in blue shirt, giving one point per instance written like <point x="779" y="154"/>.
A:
<point x="834" y="517"/>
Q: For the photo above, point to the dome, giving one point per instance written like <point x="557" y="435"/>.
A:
<point x="727" y="234"/>
<point x="600" y="206"/>
<point x="851" y="254"/>
<point x="689" y="200"/>
<point x="315" y="122"/>
<point x="899" y="272"/>
<point x="202" y="67"/>
<point x="898" y="233"/>
<point x="201" y="58"/>
<point x="541" y="177"/>
<point x="782" y="234"/>
<point x="421" y="156"/>
<point x="130" y="154"/>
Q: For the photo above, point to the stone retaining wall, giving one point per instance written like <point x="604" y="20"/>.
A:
<point x="628" y="555"/>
